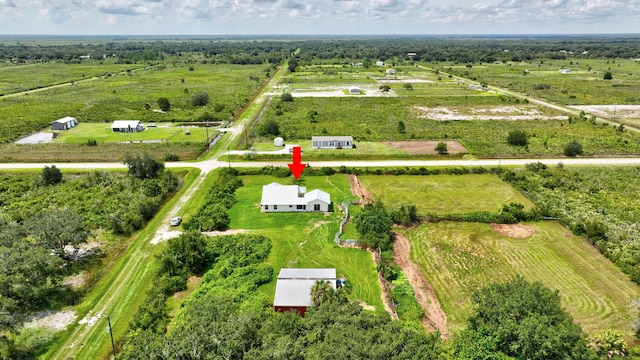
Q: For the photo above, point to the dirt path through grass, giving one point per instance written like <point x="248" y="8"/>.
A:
<point x="435" y="318"/>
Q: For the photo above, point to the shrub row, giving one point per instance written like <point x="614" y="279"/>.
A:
<point x="213" y="215"/>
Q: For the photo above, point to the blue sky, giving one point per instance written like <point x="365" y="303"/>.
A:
<point x="247" y="17"/>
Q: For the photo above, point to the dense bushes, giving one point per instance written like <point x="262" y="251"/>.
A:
<point x="227" y="317"/>
<point x="521" y="320"/>
<point x="212" y="215"/>
<point x="592" y="202"/>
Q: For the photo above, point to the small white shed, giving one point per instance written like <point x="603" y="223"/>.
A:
<point x="278" y="141"/>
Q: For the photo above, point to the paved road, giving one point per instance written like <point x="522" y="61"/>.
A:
<point x="209" y="165"/>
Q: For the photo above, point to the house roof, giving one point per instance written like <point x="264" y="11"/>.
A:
<point x="294" y="285"/>
<point x="332" y="138"/>
<point x="278" y="194"/>
<point x="119" y="124"/>
<point x="64" y="120"/>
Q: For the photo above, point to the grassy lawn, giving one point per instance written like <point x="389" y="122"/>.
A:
<point x="306" y="239"/>
<point x="459" y="258"/>
<point x="101" y="132"/>
<point x="444" y="193"/>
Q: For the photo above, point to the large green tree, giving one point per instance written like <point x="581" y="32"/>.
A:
<point x="143" y="166"/>
<point x="56" y="229"/>
<point x="523" y="320"/>
<point x="374" y="226"/>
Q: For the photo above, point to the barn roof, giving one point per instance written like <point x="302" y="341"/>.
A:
<point x="294" y="285"/>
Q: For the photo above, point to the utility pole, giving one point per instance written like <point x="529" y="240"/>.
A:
<point x="228" y="157"/>
<point x="206" y="127"/>
<point x="113" y="346"/>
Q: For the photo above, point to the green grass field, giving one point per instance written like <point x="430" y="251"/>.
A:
<point x="444" y="193"/>
<point x="102" y="133"/>
<point x="125" y="96"/>
<point x="459" y="258"/>
<point x="583" y="86"/>
<point x="19" y="78"/>
<point x="306" y="239"/>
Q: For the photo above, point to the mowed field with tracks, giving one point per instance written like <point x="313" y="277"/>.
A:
<point x="459" y="258"/>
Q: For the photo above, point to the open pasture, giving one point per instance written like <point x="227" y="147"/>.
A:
<point x="18" y="78"/>
<point x="444" y="194"/>
<point x="584" y="85"/>
<point x="108" y="152"/>
<point x="460" y="258"/>
<point x="127" y="96"/>
<point x="306" y="239"/>
<point x="377" y="119"/>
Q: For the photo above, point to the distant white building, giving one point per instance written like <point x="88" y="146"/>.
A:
<point x="332" y="142"/>
<point x="278" y="141"/>
<point x="127" y="126"/>
<point x="354" y="90"/>
<point x="293" y="198"/>
<point x="65" y="123"/>
<point x="391" y="71"/>
<point x="565" y="71"/>
<point x="379" y="63"/>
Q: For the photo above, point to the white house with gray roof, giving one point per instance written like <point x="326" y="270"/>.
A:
<point x="293" y="198"/>
<point x="332" y="142"/>
<point x="127" y="126"/>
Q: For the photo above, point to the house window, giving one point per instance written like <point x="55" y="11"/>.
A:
<point x="301" y="207"/>
<point x="266" y="207"/>
<point x="290" y="206"/>
<point x="316" y="207"/>
<point x="275" y="207"/>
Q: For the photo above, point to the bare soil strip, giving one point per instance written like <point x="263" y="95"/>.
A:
<point x="359" y="190"/>
<point x="435" y="318"/>
<point x="517" y="231"/>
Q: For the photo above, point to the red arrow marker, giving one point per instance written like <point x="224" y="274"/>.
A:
<point x="297" y="166"/>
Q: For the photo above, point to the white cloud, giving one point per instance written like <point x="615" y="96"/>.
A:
<point x="318" y="16"/>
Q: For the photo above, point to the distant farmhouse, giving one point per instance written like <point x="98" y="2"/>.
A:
<point x="293" y="289"/>
<point x="379" y="63"/>
<point x="293" y="198"/>
<point x="127" y="126"/>
<point x="65" y="123"/>
<point x="332" y="142"/>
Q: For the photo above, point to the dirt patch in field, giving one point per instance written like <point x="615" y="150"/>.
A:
<point x="359" y="190"/>
<point x="55" y="320"/>
<point x="611" y="111"/>
<point x="517" y="231"/>
<point x="419" y="147"/>
<point x="513" y="113"/>
<point x="74" y="281"/>
<point x="435" y="318"/>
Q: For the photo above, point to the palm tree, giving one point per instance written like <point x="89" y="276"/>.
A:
<point x="322" y="292"/>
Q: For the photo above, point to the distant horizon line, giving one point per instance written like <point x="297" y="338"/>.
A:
<point x="331" y="35"/>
